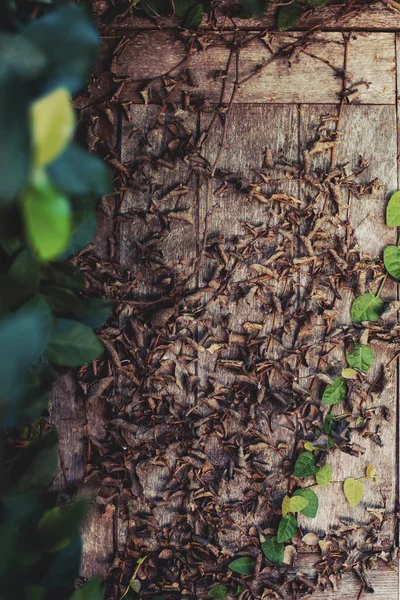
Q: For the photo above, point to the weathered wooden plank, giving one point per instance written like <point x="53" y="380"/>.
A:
<point x="383" y="579"/>
<point x="309" y="75"/>
<point x="363" y="15"/>
<point x="368" y="132"/>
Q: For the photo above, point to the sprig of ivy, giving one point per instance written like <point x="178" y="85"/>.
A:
<point x="48" y="196"/>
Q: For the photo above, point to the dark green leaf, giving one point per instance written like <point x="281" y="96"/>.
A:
<point x="90" y="591"/>
<point x="23" y="339"/>
<point x="47" y="217"/>
<point x="243" y="565"/>
<point x="312" y="508"/>
<point x="95" y="312"/>
<point x="273" y="550"/>
<point x="194" y="18"/>
<point x="391" y="259"/>
<point x="69" y="40"/>
<point x="305" y="465"/>
<point x="287" y="528"/>
<point x="361" y="358"/>
<point x="15" y="140"/>
<point x="61" y="572"/>
<point x="58" y="525"/>
<point x="62" y="300"/>
<point x="219" y="592"/>
<point x="329" y="423"/>
<point x="366" y="308"/>
<point x="393" y="211"/>
<point x="84" y="229"/>
<point x="73" y="344"/>
<point x="183" y="7"/>
<point x="65" y="274"/>
<point x="25" y="272"/>
<point x="288" y="16"/>
<point x="255" y="7"/>
<point x="78" y="173"/>
<point x="35" y="466"/>
<point x="336" y="392"/>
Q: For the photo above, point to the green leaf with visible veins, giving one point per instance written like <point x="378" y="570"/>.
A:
<point x="243" y="565"/>
<point x="287" y="528"/>
<point x="273" y="550"/>
<point x="393" y="211"/>
<point x="288" y="16"/>
<point x="305" y="465"/>
<point x="73" y="344"/>
<point x="366" y="308"/>
<point x="361" y="358"/>
<point x="336" y="392"/>
<point x="312" y="508"/>
<point x="219" y="592"/>
<point x="324" y="475"/>
<point x="391" y="260"/>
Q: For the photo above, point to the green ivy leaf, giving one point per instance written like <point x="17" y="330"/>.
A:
<point x="297" y="503"/>
<point x="25" y="272"/>
<point x="336" y="392"/>
<point x="65" y="274"/>
<point x="73" y="344"/>
<point x="15" y="140"/>
<point x="273" y="550"/>
<point x="183" y="7"/>
<point x="52" y="122"/>
<point x="324" y="475"/>
<point x="194" y="18"/>
<point x="219" y="592"/>
<point x="47" y="217"/>
<point x="62" y="300"/>
<point x="391" y="260"/>
<point x="84" y="229"/>
<point x="361" y="358"/>
<point x="78" y="173"/>
<point x="23" y="340"/>
<point x="288" y="16"/>
<point x="255" y="7"/>
<point x="287" y="528"/>
<point x="354" y="491"/>
<point x="95" y="312"/>
<point x="366" y="308"/>
<point x="69" y="41"/>
<point x="393" y="211"/>
<point x="90" y="591"/>
<point x="305" y="465"/>
<point x="58" y="525"/>
<point x="312" y="508"/>
<point x="35" y="465"/>
<point x="329" y="423"/>
<point x="243" y="565"/>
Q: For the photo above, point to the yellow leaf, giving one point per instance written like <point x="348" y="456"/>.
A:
<point x="370" y="471"/>
<point x="285" y="506"/>
<point x="354" y="491"/>
<point x="310" y="447"/>
<point x="53" y="122"/>
<point x="349" y="373"/>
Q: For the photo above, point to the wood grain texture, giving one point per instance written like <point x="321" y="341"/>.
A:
<point x="309" y="76"/>
<point x="366" y="15"/>
<point x="278" y="109"/>
<point x="368" y="132"/>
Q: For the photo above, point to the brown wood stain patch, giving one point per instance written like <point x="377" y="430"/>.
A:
<point x="233" y="251"/>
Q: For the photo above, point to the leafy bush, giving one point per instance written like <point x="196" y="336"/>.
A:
<point x="48" y="195"/>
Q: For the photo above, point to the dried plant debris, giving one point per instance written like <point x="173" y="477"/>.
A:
<point x="218" y="354"/>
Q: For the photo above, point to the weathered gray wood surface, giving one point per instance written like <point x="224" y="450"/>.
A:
<point x="280" y="108"/>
